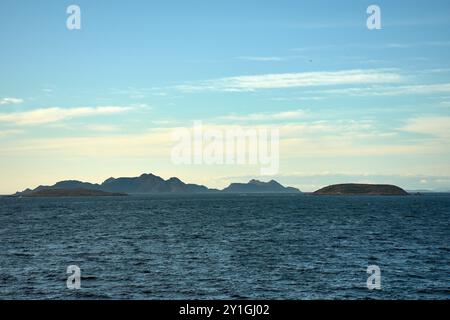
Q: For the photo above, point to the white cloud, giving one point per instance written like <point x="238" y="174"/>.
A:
<point x="418" y="44"/>
<point x="50" y="115"/>
<point x="418" y="89"/>
<point x="6" y="101"/>
<point x="294" y="80"/>
<point x="152" y="143"/>
<point x="301" y="140"/>
<point x="444" y="104"/>
<point x="267" y="116"/>
<point x="431" y="125"/>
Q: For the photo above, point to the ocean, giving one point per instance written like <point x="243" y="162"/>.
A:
<point x="226" y="247"/>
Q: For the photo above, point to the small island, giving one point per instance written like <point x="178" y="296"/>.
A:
<point x="256" y="186"/>
<point x="362" y="189"/>
<point x="72" y="193"/>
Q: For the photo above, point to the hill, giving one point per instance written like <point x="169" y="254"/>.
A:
<point x="362" y="189"/>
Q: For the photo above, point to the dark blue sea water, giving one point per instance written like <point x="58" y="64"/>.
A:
<point x="225" y="246"/>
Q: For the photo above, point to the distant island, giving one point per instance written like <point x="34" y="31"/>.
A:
<point x="255" y="186"/>
<point x="72" y="193"/>
<point x="362" y="189"/>
<point x="149" y="184"/>
<point x="152" y="184"/>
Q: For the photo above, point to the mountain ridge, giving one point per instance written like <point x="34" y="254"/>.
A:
<point x="256" y="186"/>
<point x="149" y="183"/>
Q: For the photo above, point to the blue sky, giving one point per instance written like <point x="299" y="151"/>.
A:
<point x="351" y="104"/>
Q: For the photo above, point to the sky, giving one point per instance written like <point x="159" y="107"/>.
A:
<point x="351" y="104"/>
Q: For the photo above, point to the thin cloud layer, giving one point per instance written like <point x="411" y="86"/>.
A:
<point x="51" y="115"/>
<point x="430" y="125"/>
<point x="267" y="116"/>
<point x="7" y="101"/>
<point x="416" y="89"/>
<point x="294" y="80"/>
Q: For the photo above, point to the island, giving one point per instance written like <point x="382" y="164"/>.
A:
<point x="362" y="189"/>
<point x="148" y="184"/>
<point x="256" y="186"/>
<point x="73" y="193"/>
